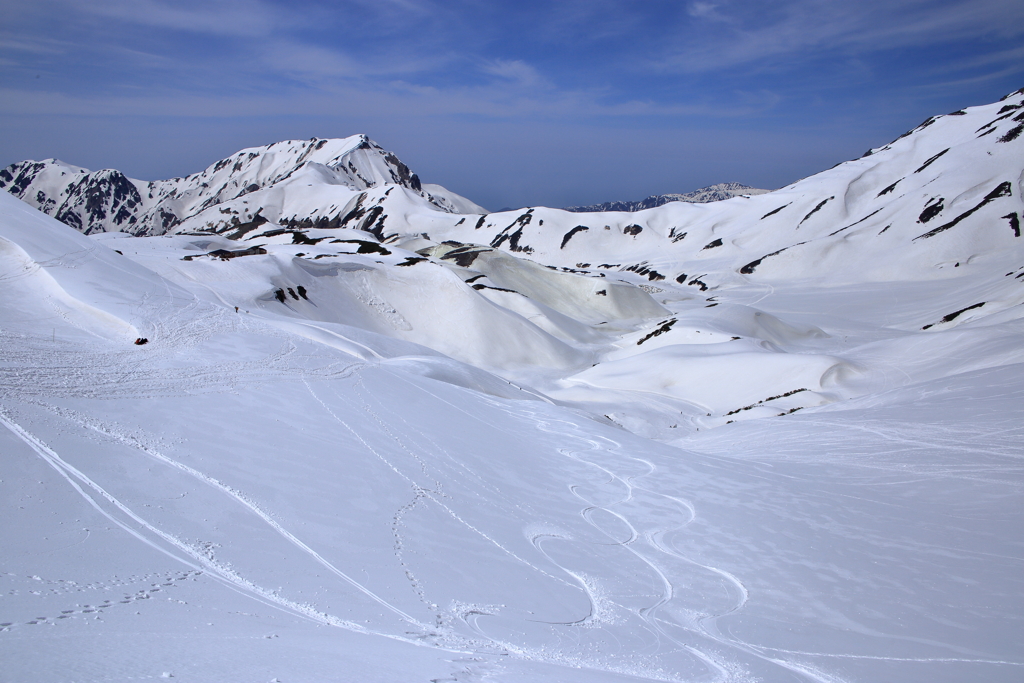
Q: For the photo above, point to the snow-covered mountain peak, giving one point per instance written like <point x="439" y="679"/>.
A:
<point x="107" y="200"/>
<point x="356" y="161"/>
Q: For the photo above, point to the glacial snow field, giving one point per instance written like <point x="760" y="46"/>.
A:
<point x="375" y="433"/>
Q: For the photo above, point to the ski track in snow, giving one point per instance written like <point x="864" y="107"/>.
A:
<point x="725" y="669"/>
<point x="600" y="606"/>
<point x="239" y="497"/>
<point x="225" y="575"/>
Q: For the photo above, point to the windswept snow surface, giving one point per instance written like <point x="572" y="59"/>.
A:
<point x="376" y="434"/>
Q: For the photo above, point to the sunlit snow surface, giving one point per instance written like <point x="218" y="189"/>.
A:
<point x="373" y="470"/>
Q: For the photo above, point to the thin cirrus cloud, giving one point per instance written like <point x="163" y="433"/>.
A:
<point x="729" y="34"/>
<point x="676" y="75"/>
<point x="250" y="18"/>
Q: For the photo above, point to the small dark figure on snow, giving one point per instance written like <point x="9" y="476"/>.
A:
<point x="140" y="341"/>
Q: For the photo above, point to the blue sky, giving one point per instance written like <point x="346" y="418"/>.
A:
<point x="510" y="104"/>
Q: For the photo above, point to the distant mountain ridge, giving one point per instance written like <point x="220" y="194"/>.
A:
<point x="109" y="201"/>
<point x="711" y="193"/>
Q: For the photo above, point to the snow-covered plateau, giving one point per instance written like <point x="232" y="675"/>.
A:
<point x="301" y="417"/>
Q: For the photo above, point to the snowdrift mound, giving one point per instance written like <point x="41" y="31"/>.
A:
<point x="56" y="275"/>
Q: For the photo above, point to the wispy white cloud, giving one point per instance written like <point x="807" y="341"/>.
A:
<point x="799" y="29"/>
<point x="516" y="71"/>
<point x="705" y="10"/>
<point x="252" y="18"/>
<point x="660" y="65"/>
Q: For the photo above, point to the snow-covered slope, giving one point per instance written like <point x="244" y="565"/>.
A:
<point x="712" y="193"/>
<point x="369" y="437"/>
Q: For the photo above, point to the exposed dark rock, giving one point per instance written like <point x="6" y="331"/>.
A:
<point x="695" y="281"/>
<point x="993" y="122"/>
<point x="642" y="269"/>
<point x="815" y="210"/>
<point x="356" y="212"/>
<point x="242" y="229"/>
<point x="224" y="254"/>
<point x="750" y="267"/>
<point x="1014" y="223"/>
<point x="889" y="189"/>
<point x="568" y="235"/>
<point x="401" y="174"/>
<point x="479" y="286"/>
<point x="955" y="314"/>
<point x="924" y="124"/>
<point x="775" y="211"/>
<point x="1002" y="190"/>
<point x="931" y="210"/>
<point x="674" y="236"/>
<point x="713" y="244"/>
<point x="765" y="400"/>
<point x="931" y="161"/>
<point x="366" y="247"/>
<point x="1012" y="134"/>
<point x="665" y="327"/>
<point x="855" y="223"/>
<point x="464" y="256"/>
<point x="513" y="239"/>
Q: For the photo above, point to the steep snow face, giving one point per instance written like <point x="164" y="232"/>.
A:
<point x="108" y="201"/>
<point x="945" y="196"/>
<point x="712" y="193"/>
